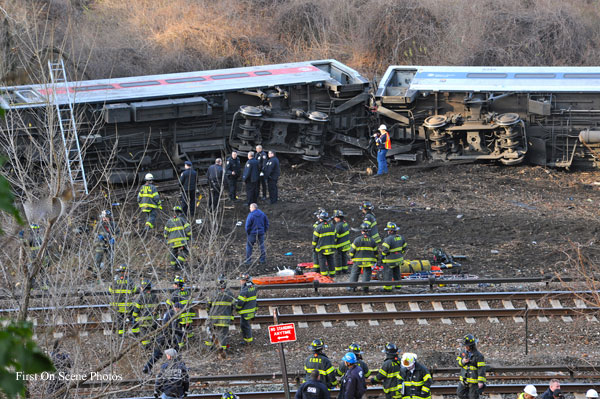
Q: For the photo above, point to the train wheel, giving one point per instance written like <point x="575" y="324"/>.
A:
<point x="511" y="161"/>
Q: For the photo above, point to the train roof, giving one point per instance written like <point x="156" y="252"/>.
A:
<point x="490" y="78"/>
<point x="182" y="84"/>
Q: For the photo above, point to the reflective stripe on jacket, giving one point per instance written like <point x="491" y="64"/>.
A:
<point x="364" y="251"/>
<point x="472" y="372"/>
<point x="342" y="236"/>
<point x="389" y="373"/>
<point x="324" y="238"/>
<point x="246" y="301"/>
<point x="319" y="361"/>
<point x="220" y="308"/>
<point x="148" y="198"/>
<point x="177" y="232"/>
<point x="372" y="222"/>
<point x="417" y="385"/>
<point x="393" y="249"/>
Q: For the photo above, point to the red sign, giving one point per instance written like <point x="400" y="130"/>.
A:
<point x="282" y="333"/>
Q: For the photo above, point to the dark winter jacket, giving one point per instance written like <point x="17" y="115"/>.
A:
<point x="257" y="222"/>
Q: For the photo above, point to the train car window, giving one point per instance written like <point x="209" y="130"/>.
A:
<point x="230" y="76"/>
<point x="185" y="80"/>
<point x="477" y="75"/>
<point x="28" y="95"/>
<point x="582" y="75"/>
<point x="535" y="75"/>
<point x="90" y="88"/>
<point x="262" y="73"/>
<point x="139" y="84"/>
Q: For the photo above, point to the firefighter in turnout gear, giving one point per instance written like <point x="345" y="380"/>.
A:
<point x="220" y="314"/>
<point x="392" y="255"/>
<point x="324" y="244"/>
<point x="145" y="310"/>
<point x="363" y="252"/>
<point x="389" y="373"/>
<point x="315" y="257"/>
<point x="342" y="242"/>
<point x="33" y="242"/>
<point x="246" y="306"/>
<point x="182" y="294"/>
<point x="177" y="233"/>
<point x="149" y="202"/>
<point x="319" y="361"/>
<point x="105" y="232"/>
<point x="172" y="336"/>
<point x="369" y="219"/>
<point x="122" y="296"/>
<point x="354" y="348"/>
<point x="472" y="373"/>
<point x="415" y="378"/>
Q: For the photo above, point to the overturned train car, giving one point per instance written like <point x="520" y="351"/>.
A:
<point x="155" y="123"/>
<point x="546" y="115"/>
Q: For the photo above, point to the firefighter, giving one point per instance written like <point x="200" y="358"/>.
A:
<point x="352" y="384"/>
<point x="122" y="296"/>
<point x="342" y="242"/>
<point x="324" y="244"/>
<point x="415" y="378"/>
<point x="182" y="294"/>
<point x="316" y="267"/>
<point x="177" y="233"/>
<point x="389" y="372"/>
<point x="383" y="144"/>
<point x="229" y="395"/>
<point x="529" y="392"/>
<point x="33" y="242"/>
<point x="319" y="361"/>
<point x="173" y="380"/>
<point x="106" y="231"/>
<point x="591" y="394"/>
<point x="149" y="202"/>
<point x="472" y="373"/>
<point x="354" y="348"/>
<point x="363" y="253"/>
<point x="370" y="220"/>
<point x="392" y="255"/>
<point x="220" y="314"/>
<point x="145" y="310"/>
<point x="246" y="306"/>
<point x="172" y="336"/>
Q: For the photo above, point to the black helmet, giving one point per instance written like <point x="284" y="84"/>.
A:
<point x="317" y="345"/>
<point x="338" y="213"/>
<point x="469" y="340"/>
<point x="365" y="226"/>
<point x="229" y="395"/>
<point x="323" y="215"/>
<point x="178" y="280"/>
<point x="391" y="226"/>
<point x="355" y="349"/>
<point x="122" y="268"/>
<point x="390" y="349"/>
<point x="367" y="206"/>
<point x="145" y="284"/>
<point x="319" y="211"/>
<point x="221" y="282"/>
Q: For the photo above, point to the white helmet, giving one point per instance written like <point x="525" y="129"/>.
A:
<point x="591" y="393"/>
<point x="149" y="177"/>
<point x="408" y="359"/>
<point x="382" y="127"/>
<point x="530" y="390"/>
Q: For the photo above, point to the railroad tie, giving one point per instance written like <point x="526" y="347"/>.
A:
<point x="106" y="318"/>
<point x="579" y="395"/>
<point x="232" y="327"/>
<point x="533" y="305"/>
<point x="366" y="307"/>
<point x="255" y="326"/>
<point x="414" y="307"/>
<point x="82" y="318"/>
<point x="557" y="305"/>
<point x="486" y="306"/>
<point x="495" y="396"/>
<point x="344" y="309"/>
<point x="321" y="310"/>
<point x="460" y="305"/>
<point x="438" y="307"/>
<point x="580" y="304"/>
<point x="297" y="309"/>
<point x="437" y="396"/>
<point x="390" y="307"/>
<point x="34" y="322"/>
<point x="58" y="322"/>
<point x="509" y="305"/>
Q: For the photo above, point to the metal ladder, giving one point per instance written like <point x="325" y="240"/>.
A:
<point x="68" y="127"/>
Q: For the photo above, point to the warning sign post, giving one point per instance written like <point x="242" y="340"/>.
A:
<point x="280" y="333"/>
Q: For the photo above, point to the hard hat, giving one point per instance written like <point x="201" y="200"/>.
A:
<point x="177" y="208"/>
<point x="122" y="268"/>
<point x="229" y="395"/>
<point x="391" y="226"/>
<point x="382" y="127"/>
<point x="349" y="358"/>
<point x="469" y="339"/>
<point x="145" y="284"/>
<point x="366" y="205"/>
<point x="530" y="390"/>
<point x="355" y="348"/>
<point x="149" y="177"/>
<point x="178" y="280"/>
<point x="318" y="212"/>
<point x="365" y="226"/>
<point x="323" y="215"/>
<point x="338" y="213"/>
<point x="408" y="359"/>
<point x="221" y="282"/>
<point x="591" y="393"/>
<point x="317" y="345"/>
<point x="245" y="276"/>
<point x="390" y="348"/>
<point x="105" y="214"/>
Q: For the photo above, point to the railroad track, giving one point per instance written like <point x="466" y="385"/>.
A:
<point x="447" y="307"/>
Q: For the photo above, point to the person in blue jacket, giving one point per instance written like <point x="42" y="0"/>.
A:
<point x="353" y="385"/>
<point x="313" y="388"/>
<point x="257" y="225"/>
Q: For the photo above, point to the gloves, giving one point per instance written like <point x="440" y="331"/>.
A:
<point x="111" y="241"/>
<point x="100" y="237"/>
<point x="262" y="174"/>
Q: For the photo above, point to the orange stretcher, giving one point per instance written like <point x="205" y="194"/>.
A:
<point x="299" y="279"/>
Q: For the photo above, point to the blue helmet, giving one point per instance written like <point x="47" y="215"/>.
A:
<point x="349" y="358"/>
